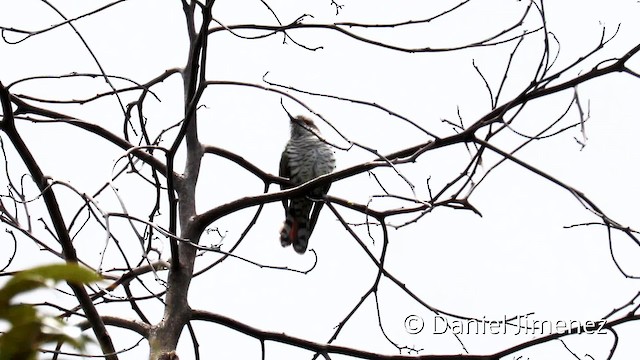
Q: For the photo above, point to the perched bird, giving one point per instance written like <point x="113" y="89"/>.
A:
<point x="304" y="158"/>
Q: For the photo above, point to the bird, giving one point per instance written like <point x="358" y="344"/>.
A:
<point x="305" y="157"/>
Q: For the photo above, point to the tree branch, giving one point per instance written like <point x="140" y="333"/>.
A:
<point x="49" y="198"/>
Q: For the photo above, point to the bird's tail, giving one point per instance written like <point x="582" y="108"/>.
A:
<point x="301" y="218"/>
<point x="295" y="232"/>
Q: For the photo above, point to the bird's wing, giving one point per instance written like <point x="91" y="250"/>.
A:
<point x="315" y="213"/>
<point x="284" y="168"/>
<point x="285" y="172"/>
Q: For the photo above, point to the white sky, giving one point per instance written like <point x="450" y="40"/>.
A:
<point x="516" y="259"/>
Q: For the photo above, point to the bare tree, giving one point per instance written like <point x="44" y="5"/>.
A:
<point x="155" y="193"/>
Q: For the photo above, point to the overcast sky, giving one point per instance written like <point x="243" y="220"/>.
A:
<point x="518" y="258"/>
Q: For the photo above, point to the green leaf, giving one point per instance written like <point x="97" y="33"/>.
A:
<point x="28" y="328"/>
<point x="60" y="272"/>
<point x="38" y="277"/>
<point x="21" y="342"/>
<point x="14" y="287"/>
<point x="19" y="314"/>
<point x="56" y="330"/>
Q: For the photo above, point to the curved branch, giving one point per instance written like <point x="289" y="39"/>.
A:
<point x="52" y="27"/>
<point x="51" y="202"/>
<point x="56" y="117"/>
<point x="242" y="162"/>
<point x="340" y="27"/>
<point x="135" y="326"/>
<point x="343" y="350"/>
<point x="318" y="347"/>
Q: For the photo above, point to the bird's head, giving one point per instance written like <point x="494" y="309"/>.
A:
<point x="300" y="126"/>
